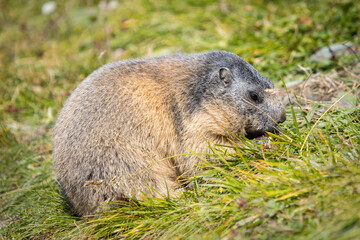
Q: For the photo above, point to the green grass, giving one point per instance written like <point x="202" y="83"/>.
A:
<point x="260" y="194"/>
<point x="306" y="186"/>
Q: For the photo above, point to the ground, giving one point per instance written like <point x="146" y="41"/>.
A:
<point x="301" y="184"/>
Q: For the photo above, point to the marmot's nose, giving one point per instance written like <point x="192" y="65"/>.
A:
<point x="282" y="117"/>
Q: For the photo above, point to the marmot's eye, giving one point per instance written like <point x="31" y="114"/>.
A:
<point x="254" y="96"/>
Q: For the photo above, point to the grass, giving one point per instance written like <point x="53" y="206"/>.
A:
<point x="256" y="193"/>
<point x="305" y="186"/>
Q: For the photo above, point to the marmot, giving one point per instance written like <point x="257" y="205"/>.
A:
<point x="115" y="134"/>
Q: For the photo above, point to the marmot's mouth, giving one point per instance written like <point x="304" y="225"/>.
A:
<point x="255" y="134"/>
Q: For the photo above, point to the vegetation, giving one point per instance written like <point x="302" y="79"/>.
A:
<point x="303" y="184"/>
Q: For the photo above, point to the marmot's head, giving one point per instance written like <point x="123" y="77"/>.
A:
<point x="239" y="99"/>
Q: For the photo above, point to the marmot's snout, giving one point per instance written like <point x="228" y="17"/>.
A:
<point x="279" y="119"/>
<point x="278" y="112"/>
<point x="264" y="122"/>
<point x="282" y="116"/>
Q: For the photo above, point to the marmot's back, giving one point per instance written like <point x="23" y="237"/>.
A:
<point x="118" y="125"/>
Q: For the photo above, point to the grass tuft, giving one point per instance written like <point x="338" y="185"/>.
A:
<point x="283" y="192"/>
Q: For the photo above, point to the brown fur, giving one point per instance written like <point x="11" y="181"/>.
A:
<point x="116" y="132"/>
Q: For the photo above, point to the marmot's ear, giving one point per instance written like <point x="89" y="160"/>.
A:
<point x="225" y="76"/>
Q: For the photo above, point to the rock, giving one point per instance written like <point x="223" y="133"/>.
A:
<point x="48" y="8"/>
<point x="328" y="52"/>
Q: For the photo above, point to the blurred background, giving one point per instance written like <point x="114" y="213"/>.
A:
<point x="48" y="47"/>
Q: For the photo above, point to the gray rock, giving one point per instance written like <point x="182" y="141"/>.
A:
<point x="326" y="53"/>
<point x="48" y="8"/>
